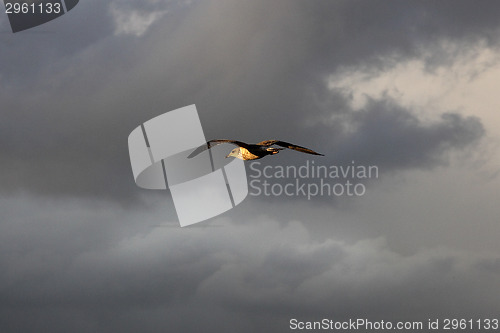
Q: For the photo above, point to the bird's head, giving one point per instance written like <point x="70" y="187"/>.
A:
<point x="234" y="153"/>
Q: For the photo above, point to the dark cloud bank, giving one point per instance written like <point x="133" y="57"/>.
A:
<point x="79" y="250"/>
<point x="69" y="103"/>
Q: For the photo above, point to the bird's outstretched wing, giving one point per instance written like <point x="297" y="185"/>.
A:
<point x="213" y="143"/>
<point x="268" y="143"/>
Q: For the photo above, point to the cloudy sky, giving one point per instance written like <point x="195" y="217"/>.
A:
<point x="408" y="86"/>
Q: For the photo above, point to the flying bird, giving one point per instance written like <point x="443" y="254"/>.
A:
<point x="249" y="151"/>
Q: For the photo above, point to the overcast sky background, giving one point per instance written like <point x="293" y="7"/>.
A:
<point x="409" y="86"/>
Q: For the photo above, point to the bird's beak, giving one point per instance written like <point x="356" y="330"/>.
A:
<point x="228" y="155"/>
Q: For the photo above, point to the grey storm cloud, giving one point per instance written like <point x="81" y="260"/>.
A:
<point x="225" y="277"/>
<point x="82" y="249"/>
<point x="392" y="137"/>
<point x="68" y="106"/>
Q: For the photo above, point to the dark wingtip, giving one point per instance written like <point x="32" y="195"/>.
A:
<point x="312" y="152"/>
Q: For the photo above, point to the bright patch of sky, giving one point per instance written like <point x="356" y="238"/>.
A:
<point x="468" y="85"/>
<point x="133" y="22"/>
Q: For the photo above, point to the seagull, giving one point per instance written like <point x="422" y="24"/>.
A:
<point x="249" y="151"/>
